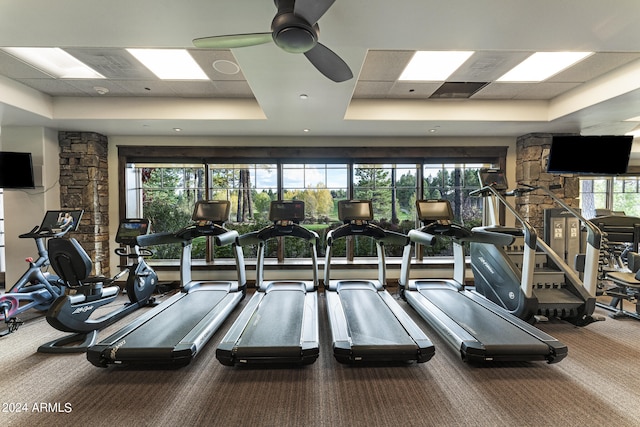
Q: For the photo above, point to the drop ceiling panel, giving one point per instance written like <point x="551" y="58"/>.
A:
<point x="486" y="66"/>
<point x="54" y="87"/>
<point x="384" y="65"/>
<point x="113" y="63"/>
<point x="594" y="66"/>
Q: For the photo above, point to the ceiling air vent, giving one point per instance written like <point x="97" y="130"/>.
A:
<point x="457" y="90"/>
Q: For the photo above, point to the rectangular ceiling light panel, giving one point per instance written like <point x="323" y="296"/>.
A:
<point x="542" y="65"/>
<point x="170" y="64"/>
<point x="434" y="65"/>
<point x="54" y="61"/>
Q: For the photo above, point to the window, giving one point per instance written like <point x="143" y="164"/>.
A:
<point x="601" y="196"/>
<point x="319" y="179"/>
<point x="165" y="194"/>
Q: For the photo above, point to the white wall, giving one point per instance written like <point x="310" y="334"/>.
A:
<point x="24" y="209"/>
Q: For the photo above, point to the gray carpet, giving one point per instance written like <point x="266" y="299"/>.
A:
<point x="597" y="384"/>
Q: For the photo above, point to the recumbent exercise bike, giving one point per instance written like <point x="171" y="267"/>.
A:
<point x="72" y="312"/>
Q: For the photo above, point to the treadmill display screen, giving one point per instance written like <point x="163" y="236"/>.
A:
<point x="129" y="229"/>
<point x="286" y="210"/>
<point x="434" y="210"/>
<point x="355" y="210"/>
<point x="494" y="178"/>
<point x="211" y="210"/>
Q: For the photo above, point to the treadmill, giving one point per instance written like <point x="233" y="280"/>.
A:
<point x="477" y="328"/>
<point x="279" y="324"/>
<point x="367" y="323"/>
<point x="171" y="334"/>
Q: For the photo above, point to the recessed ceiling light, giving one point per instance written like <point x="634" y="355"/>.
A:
<point x="542" y="65"/>
<point x="177" y="129"/>
<point x="101" y="90"/>
<point x="170" y="64"/>
<point x="434" y="65"/>
<point x="54" y="61"/>
<point x="306" y="130"/>
<point x="304" y="96"/>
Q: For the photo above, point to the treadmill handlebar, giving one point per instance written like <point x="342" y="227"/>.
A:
<point x="195" y="230"/>
<point x="395" y="238"/>
<point x="418" y="236"/>
<point x="249" y="239"/>
<point x="492" y="237"/>
<point x="227" y="238"/>
<point x="427" y="234"/>
<point x="290" y="230"/>
<point x="369" y="230"/>
<point x="158" y="239"/>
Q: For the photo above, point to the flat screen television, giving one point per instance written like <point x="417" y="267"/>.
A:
<point x="592" y="155"/>
<point x="16" y="170"/>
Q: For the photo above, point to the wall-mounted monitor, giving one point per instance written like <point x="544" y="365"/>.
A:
<point x="593" y="155"/>
<point x="211" y="210"/>
<point x="16" y="170"/>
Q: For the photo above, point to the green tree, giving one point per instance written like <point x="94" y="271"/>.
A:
<point x="373" y="183"/>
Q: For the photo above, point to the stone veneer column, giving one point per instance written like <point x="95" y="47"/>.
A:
<point x="84" y="185"/>
<point x="532" y="152"/>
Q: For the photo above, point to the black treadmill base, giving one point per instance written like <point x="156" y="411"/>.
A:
<point x="229" y="357"/>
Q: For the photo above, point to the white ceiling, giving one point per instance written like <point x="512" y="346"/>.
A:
<point x="375" y="38"/>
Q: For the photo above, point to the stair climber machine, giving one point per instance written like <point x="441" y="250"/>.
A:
<point x="367" y="323"/>
<point x="478" y="329"/>
<point x="171" y="334"/>
<point x="279" y="324"/>
<point x="533" y="283"/>
<point x="81" y="312"/>
<point x="37" y="288"/>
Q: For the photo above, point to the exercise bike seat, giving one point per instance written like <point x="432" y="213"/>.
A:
<point x="72" y="263"/>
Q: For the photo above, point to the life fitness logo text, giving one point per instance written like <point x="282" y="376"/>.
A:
<point x="82" y="309"/>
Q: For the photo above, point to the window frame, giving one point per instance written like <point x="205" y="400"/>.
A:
<point x="494" y="155"/>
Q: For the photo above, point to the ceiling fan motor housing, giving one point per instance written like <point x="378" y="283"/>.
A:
<point x="293" y="34"/>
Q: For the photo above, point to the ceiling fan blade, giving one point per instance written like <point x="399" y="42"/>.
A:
<point x="328" y="63"/>
<point x="232" y="41"/>
<point x="311" y="10"/>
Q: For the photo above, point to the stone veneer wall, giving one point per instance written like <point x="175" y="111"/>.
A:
<point x="532" y="152"/>
<point x="84" y="185"/>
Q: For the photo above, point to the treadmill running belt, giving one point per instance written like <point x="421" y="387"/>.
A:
<point x="277" y="322"/>
<point x="171" y="325"/>
<point x="370" y="321"/>
<point x="494" y="332"/>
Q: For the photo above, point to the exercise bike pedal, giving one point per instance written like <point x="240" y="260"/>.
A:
<point x="13" y="323"/>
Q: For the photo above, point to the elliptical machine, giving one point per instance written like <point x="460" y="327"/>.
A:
<point x="72" y="313"/>
<point x="37" y="288"/>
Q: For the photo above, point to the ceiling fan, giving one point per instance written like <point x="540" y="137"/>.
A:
<point x="294" y="29"/>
